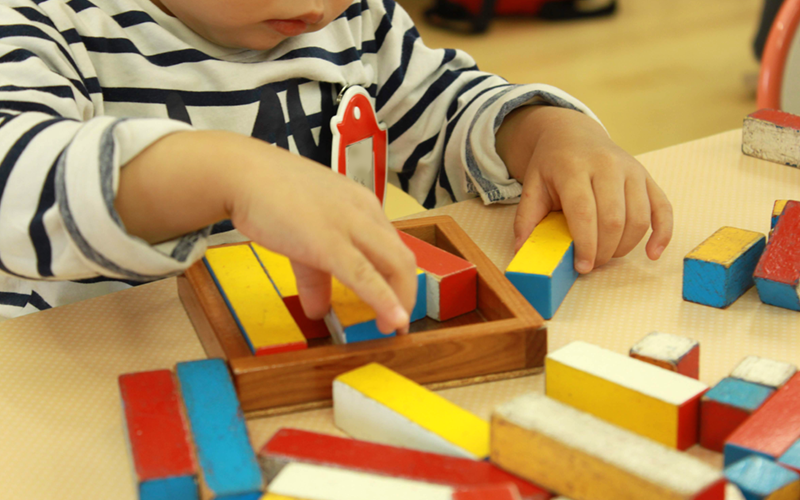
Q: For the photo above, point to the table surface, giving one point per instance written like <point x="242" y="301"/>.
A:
<point x="61" y="433"/>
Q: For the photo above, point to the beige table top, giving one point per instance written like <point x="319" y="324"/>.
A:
<point x="60" y="417"/>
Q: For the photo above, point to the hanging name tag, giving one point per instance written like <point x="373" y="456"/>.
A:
<point x="360" y="144"/>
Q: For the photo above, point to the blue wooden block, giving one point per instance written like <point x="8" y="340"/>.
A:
<point x="791" y="458"/>
<point x="739" y="393"/>
<point x="758" y="478"/>
<point x="229" y="470"/>
<point x="421" y="307"/>
<point x="720" y="269"/>
<point x="170" y="488"/>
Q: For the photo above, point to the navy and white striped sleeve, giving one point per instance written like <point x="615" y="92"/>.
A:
<point x="59" y="164"/>
<point x="443" y="114"/>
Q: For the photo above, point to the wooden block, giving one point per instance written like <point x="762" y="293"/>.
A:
<point x="771" y="429"/>
<point x="543" y="270"/>
<point x="580" y="456"/>
<point x="316" y="482"/>
<point x="292" y="445"/>
<point x="732" y="492"/>
<point x="504" y="338"/>
<point x="725" y="407"/>
<point x="376" y="404"/>
<point x="158" y="436"/>
<point x="777" y="275"/>
<point x="720" y="269"/>
<point x="764" y="371"/>
<point x="772" y="135"/>
<point x="791" y="457"/>
<point x="451" y="280"/>
<point x="632" y="394"/>
<point x="279" y="269"/>
<point x="350" y="318"/>
<point x="758" y="478"/>
<point x="671" y="352"/>
<point x="777" y="210"/>
<point x="259" y="311"/>
<point x="228" y="464"/>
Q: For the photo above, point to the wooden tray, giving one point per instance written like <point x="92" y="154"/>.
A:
<point x="504" y="338"/>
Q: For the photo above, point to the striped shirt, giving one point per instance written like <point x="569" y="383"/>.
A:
<point x="85" y="85"/>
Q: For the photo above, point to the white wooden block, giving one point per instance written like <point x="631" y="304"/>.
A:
<point x="764" y="371"/>
<point x="315" y="482"/>
<point x="772" y="135"/>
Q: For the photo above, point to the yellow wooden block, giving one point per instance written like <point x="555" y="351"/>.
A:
<point x="273" y="496"/>
<point x="725" y="246"/>
<point x="655" y="403"/>
<point x="258" y="309"/>
<point x="580" y="456"/>
<point x="376" y="404"/>
<point x="349" y="308"/>
<point x="279" y="269"/>
<point x="545" y="248"/>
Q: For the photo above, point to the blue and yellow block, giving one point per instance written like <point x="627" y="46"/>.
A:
<point x="543" y="270"/>
<point x="777" y="210"/>
<point x="720" y="269"/>
<point x="761" y="479"/>
<point x="353" y="320"/>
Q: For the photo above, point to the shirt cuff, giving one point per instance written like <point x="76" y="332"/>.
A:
<point x="87" y="178"/>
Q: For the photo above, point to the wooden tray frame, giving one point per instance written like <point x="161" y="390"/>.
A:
<point x="506" y="339"/>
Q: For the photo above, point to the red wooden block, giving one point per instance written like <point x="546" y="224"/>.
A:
<point x="772" y="135"/>
<point x="671" y="352"/>
<point x="717" y="422"/>
<point x="772" y="429"/>
<point x="777" y="274"/>
<point x="452" y="281"/>
<point x="491" y="492"/>
<point x="292" y="445"/>
<point x="156" y="428"/>
<point x="311" y="328"/>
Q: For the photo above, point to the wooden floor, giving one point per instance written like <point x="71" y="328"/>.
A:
<point x="658" y="73"/>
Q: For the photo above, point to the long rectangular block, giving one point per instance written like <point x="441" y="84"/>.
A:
<point x="158" y="435"/>
<point x="771" y="430"/>
<point x="772" y="135"/>
<point x="376" y="404"/>
<point x="292" y="445"/>
<point x="580" y="456"/>
<point x="315" y="482"/>
<point x="758" y="478"/>
<point x="253" y="301"/>
<point x="543" y="270"/>
<point x="777" y="275"/>
<point x="451" y="281"/>
<point x="228" y="466"/>
<point x="725" y="407"/>
<point x="350" y="318"/>
<point x="671" y="352"/>
<point x="279" y="269"/>
<point x="763" y="371"/>
<point x="655" y="403"/>
<point x="720" y="269"/>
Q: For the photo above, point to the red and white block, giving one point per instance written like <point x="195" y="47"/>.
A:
<point x="772" y="135"/>
<point x="671" y="352"/>
<point x="298" y="446"/>
<point x="452" y="281"/>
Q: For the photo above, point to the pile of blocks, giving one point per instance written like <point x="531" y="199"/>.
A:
<point x="732" y="260"/>
<point x="260" y="290"/>
<point x="624" y="419"/>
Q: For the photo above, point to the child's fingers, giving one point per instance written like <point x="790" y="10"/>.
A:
<point x="314" y="289"/>
<point x="534" y="205"/>
<point x="661" y="219"/>
<point x="359" y="274"/>
<point x="609" y="191"/>
<point x="393" y="260"/>
<point x="580" y="209"/>
<point x="637" y="216"/>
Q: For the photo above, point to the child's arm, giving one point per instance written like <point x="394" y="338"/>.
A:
<point x="325" y="223"/>
<point x="566" y="161"/>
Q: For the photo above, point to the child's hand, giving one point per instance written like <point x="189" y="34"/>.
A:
<point x="325" y="223"/>
<point x="566" y="161"/>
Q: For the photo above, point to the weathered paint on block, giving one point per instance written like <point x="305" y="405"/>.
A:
<point x="671" y="352"/>
<point x="758" y="478"/>
<point x="777" y="275"/>
<point x="720" y="270"/>
<point x="772" y="135"/>
<point x="725" y="407"/>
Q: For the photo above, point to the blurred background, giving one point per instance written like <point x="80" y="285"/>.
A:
<point x="656" y="72"/>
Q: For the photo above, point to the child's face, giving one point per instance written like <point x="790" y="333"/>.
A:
<point x="253" y="24"/>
